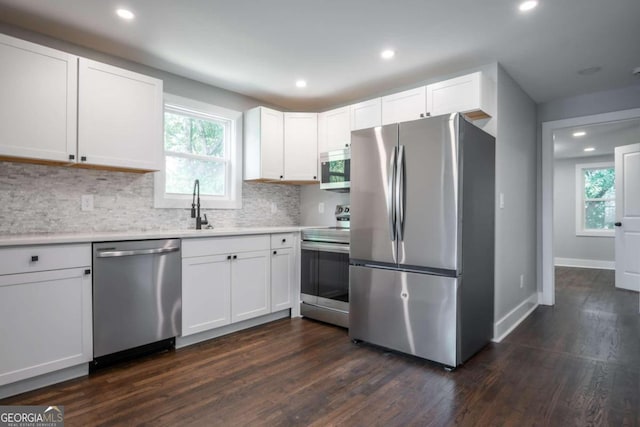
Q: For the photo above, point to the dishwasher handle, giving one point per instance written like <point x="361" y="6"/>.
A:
<point x="108" y="253"/>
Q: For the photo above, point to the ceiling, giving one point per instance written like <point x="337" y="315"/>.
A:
<point x="603" y="137"/>
<point x="259" y="48"/>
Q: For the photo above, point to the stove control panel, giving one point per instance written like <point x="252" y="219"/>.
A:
<point x="343" y="216"/>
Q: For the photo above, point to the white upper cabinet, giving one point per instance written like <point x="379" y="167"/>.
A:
<point x="366" y="114"/>
<point x="38" y="106"/>
<point x="471" y="94"/>
<point x="404" y="106"/>
<point x="120" y="121"/>
<point x="334" y="129"/>
<point x="300" y="146"/>
<point x="263" y="144"/>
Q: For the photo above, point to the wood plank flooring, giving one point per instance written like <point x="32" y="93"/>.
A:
<point x="574" y="364"/>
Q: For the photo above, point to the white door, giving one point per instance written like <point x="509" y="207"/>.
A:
<point x="628" y="217"/>
<point x="250" y="285"/>
<point x="272" y="143"/>
<point x="366" y="114"/>
<point x="282" y="278"/>
<point x="404" y="106"/>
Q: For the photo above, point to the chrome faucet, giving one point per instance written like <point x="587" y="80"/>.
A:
<point x="196" y="205"/>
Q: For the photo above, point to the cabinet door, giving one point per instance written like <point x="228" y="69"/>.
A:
<point x="334" y="129"/>
<point x="272" y="143"/>
<point x="366" y="114"/>
<point x="119" y="118"/>
<point x="206" y="293"/>
<point x="250" y="285"/>
<point x="404" y="106"/>
<point x="282" y="278"/>
<point x="300" y="146"/>
<point x="38" y="104"/>
<point x="470" y="94"/>
<point x="46" y="322"/>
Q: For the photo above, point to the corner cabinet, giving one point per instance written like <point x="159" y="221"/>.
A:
<point x="38" y="105"/>
<point x="119" y="118"/>
<point x="45" y="310"/>
<point x="301" y="147"/>
<point x="263" y="144"/>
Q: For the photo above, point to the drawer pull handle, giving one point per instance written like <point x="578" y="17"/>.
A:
<point x="34" y="258"/>
<point x="235" y="257"/>
<point x="275" y="252"/>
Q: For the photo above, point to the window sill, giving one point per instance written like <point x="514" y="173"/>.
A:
<point x="596" y="233"/>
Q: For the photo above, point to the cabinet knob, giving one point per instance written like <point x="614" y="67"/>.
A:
<point x="314" y="178"/>
<point x="235" y="257"/>
<point x="284" y="240"/>
<point x="618" y="224"/>
<point x="34" y="258"/>
<point x="281" y="176"/>
<point x="72" y="157"/>
<point x="421" y="114"/>
<point x="83" y="158"/>
<point x="275" y="252"/>
<point x="228" y="256"/>
<point x="346" y="145"/>
<point x="87" y="272"/>
<point x="427" y="114"/>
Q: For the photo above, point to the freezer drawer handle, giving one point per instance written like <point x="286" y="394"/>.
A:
<point x="391" y="196"/>
<point x="110" y="253"/>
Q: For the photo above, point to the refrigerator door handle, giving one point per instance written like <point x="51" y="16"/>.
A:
<point x="391" y="194"/>
<point x="400" y="191"/>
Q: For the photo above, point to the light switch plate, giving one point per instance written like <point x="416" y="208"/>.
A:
<point x="321" y="207"/>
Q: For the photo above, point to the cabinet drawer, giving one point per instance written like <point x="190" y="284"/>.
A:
<point x="26" y="259"/>
<point x="224" y="245"/>
<point x="282" y="240"/>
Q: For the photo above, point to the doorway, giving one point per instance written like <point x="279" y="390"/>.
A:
<point x="562" y="132"/>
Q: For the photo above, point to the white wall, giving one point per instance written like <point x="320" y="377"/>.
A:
<point x="516" y="222"/>
<point x="566" y="244"/>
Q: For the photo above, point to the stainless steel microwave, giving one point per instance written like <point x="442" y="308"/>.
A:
<point x="335" y="170"/>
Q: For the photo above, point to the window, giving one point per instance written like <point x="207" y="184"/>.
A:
<point x="203" y="142"/>
<point x="595" y="199"/>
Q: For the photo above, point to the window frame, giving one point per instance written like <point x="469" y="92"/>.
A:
<point x="580" y="200"/>
<point x="198" y="109"/>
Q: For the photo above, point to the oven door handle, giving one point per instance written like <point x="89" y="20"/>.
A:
<point x="325" y="247"/>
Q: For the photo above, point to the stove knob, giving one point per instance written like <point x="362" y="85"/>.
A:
<point x="346" y="210"/>
<point x="340" y="210"/>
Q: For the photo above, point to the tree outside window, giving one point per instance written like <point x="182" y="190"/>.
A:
<point x="596" y="199"/>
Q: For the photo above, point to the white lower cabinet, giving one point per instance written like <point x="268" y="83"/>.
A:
<point x="250" y="285"/>
<point x="282" y="278"/>
<point x="206" y="293"/>
<point x="45" y="315"/>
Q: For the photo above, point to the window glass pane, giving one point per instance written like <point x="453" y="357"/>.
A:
<point x="599" y="183"/>
<point x="181" y="173"/>
<point x="191" y="135"/>
<point x="599" y="215"/>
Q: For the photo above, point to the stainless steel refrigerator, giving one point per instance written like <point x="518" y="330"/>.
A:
<point x="422" y="238"/>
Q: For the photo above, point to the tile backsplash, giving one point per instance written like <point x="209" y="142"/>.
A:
<point x="47" y="199"/>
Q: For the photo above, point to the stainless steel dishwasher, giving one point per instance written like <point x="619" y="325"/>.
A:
<point x="137" y="298"/>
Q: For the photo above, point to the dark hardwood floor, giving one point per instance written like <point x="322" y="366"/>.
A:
<point x="574" y="364"/>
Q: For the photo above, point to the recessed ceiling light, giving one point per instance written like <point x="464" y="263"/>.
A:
<point x="301" y="83"/>
<point x="387" y="54"/>
<point x="589" y="149"/>
<point x="579" y="134"/>
<point x="125" y="14"/>
<point x="527" y="5"/>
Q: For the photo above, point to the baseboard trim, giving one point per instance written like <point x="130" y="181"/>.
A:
<point x="631" y="288"/>
<point x="585" y="263"/>
<point x="44" y="380"/>
<point x="229" y="329"/>
<point x="512" y="319"/>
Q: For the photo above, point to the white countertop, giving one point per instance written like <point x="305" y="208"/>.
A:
<point x="57" y="238"/>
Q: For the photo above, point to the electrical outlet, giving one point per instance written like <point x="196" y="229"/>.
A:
<point x="321" y="207"/>
<point x="521" y="281"/>
<point x="274" y="208"/>
<point x="501" y="200"/>
<point x="87" y="202"/>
